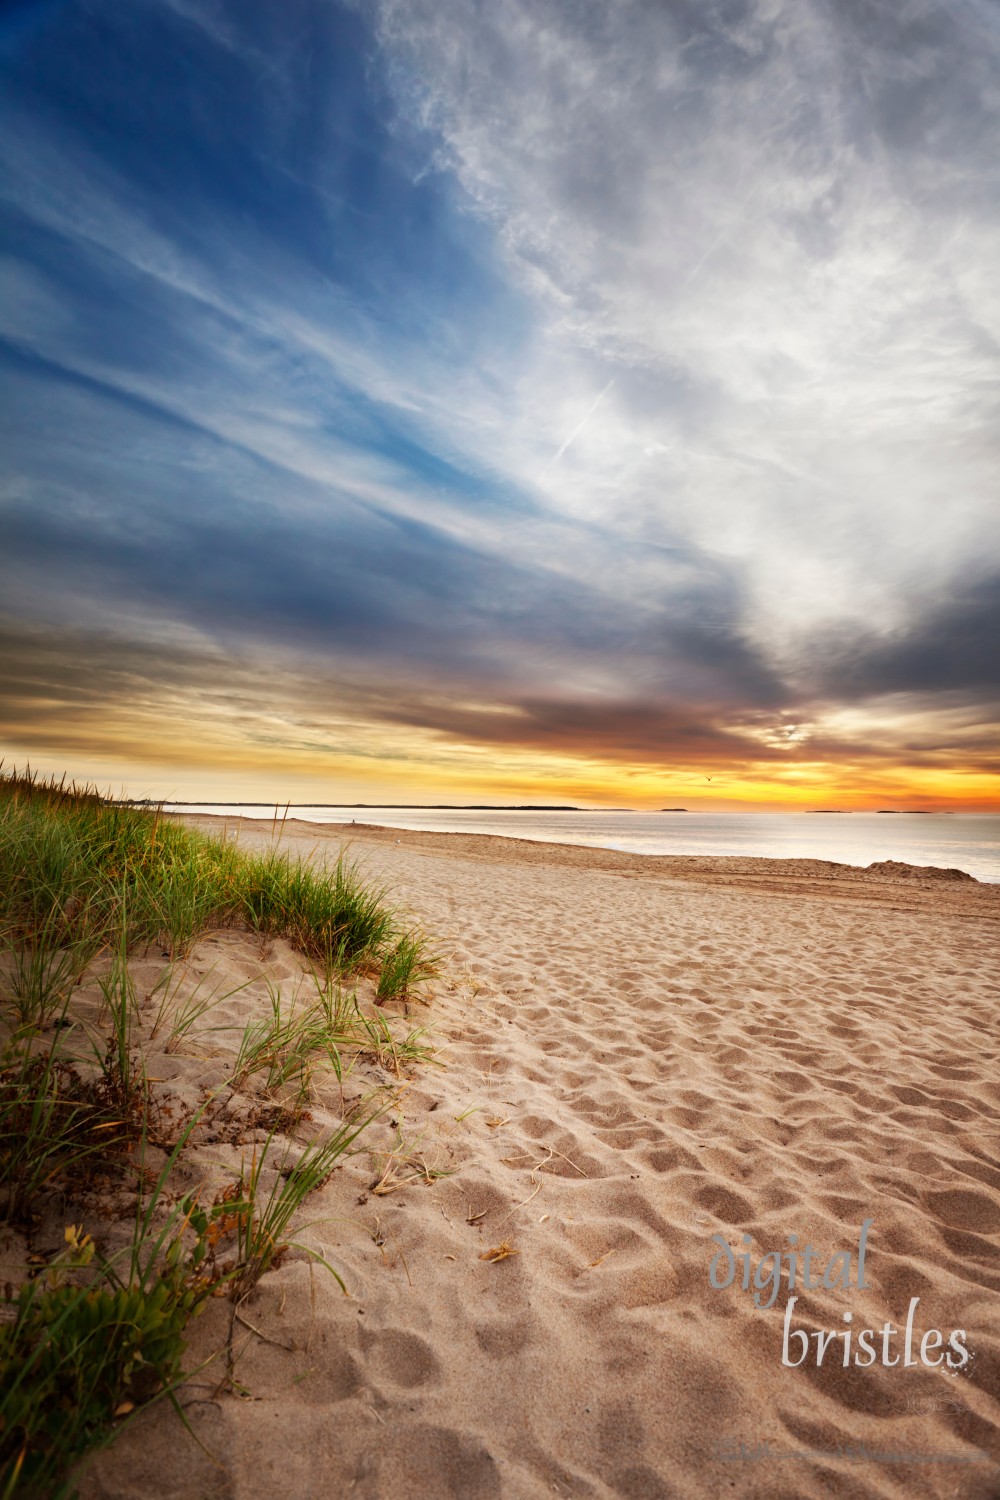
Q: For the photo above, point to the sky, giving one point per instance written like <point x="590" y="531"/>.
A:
<point x="502" y="400"/>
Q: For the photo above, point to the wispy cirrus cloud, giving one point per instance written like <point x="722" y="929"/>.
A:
<point x="772" y="220"/>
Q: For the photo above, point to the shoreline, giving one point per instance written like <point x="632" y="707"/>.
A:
<point x="915" y="885"/>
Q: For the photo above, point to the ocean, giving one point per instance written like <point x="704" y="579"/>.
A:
<point x="963" y="841"/>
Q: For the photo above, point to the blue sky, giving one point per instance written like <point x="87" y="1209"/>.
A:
<point x="499" y="398"/>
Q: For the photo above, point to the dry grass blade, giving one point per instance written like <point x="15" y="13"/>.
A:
<point x="392" y="1178"/>
<point x="389" y="1181"/>
<point x="500" y="1252"/>
<point x="553" y="1152"/>
<point x="510" y="1161"/>
<point x="521" y="1205"/>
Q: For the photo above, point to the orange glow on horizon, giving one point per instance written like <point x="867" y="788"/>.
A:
<point x="443" y="772"/>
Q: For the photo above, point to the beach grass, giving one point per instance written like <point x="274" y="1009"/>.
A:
<point x="263" y="1220"/>
<point x="77" y="872"/>
<point x="89" y="886"/>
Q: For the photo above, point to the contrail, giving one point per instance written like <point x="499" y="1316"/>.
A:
<point x="577" y="429"/>
<point x="720" y="238"/>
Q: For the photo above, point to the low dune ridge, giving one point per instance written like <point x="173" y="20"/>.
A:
<point x="636" y="1054"/>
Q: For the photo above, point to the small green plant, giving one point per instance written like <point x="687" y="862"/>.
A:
<point x="376" y="1038"/>
<point x="43" y="971"/>
<point x="404" y="965"/>
<point x="178" y="1012"/>
<point x="263" y="1223"/>
<point x="338" y="1008"/>
<point x="285" y="1045"/>
<point x="368" y="1035"/>
<point x="124" y="1075"/>
<point x="78" y="1357"/>
<point x="89" y="1343"/>
<point x="49" y="1126"/>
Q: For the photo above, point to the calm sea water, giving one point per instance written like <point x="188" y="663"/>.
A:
<point x="963" y="841"/>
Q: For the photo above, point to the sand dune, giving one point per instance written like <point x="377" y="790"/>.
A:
<point x="638" y="1054"/>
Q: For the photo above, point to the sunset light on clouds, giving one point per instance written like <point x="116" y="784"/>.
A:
<point x="520" y="402"/>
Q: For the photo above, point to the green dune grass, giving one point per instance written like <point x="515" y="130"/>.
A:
<point x="87" y="1340"/>
<point x="80" y="874"/>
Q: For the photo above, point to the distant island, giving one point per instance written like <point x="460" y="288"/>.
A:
<point x="844" y="811"/>
<point x="673" y="809"/>
<point x="364" y="806"/>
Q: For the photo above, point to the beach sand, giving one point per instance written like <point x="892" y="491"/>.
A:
<point x="635" y="1054"/>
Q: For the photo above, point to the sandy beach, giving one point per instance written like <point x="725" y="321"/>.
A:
<point x="634" y="1055"/>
